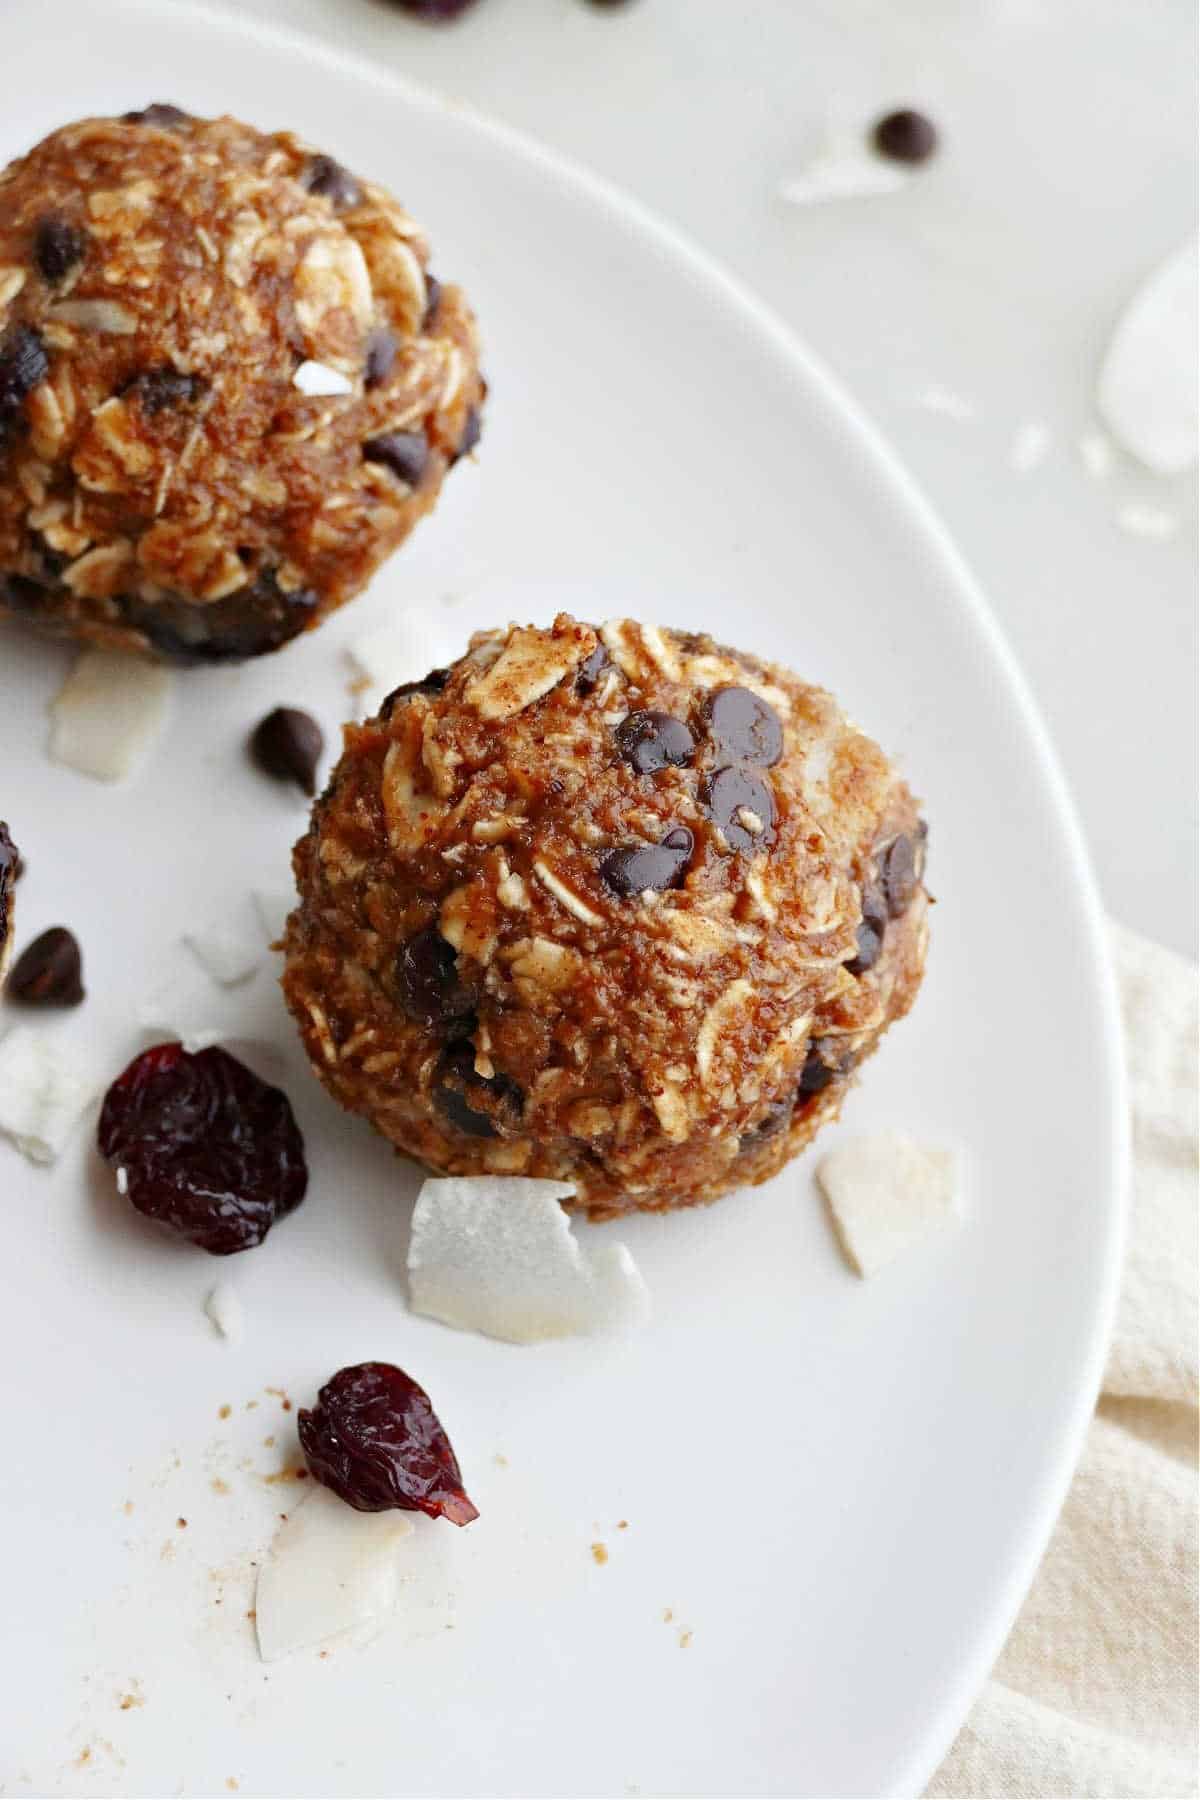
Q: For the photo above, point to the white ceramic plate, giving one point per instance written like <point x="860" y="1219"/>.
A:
<point x="837" y="1490"/>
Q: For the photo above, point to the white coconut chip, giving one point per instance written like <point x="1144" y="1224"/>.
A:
<point x="108" y="713"/>
<point x="1030" y="447"/>
<point x="231" y="950"/>
<point x="1147" y="391"/>
<point x="1140" y="519"/>
<point x="223" y="1308"/>
<point x="404" y="649"/>
<point x="329" y="1569"/>
<point x="844" y="168"/>
<point x="886" y="1193"/>
<point x="496" y="1254"/>
<point x="172" y="1012"/>
<point x="318" y="380"/>
<point x="44" y="1088"/>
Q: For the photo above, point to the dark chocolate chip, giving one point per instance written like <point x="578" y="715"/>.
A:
<point x="591" y="669"/>
<point x="405" y="453"/>
<point x="902" y="865"/>
<point x="23" y="365"/>
<point x="157" y="390"/>
<point x="48" y="972"/>
<point x="428" y="984"/>
<point x="160" y="113"/>
<point x="472" y="432"/>
<point x="433" y="297"/>
<point x="816" y="1074"/>
<point x="648" y="741"/>
<point x="870" y="932"/>
<point x="648" y="867"/>
<point x="905" y="136"/>
<point x="777" y="1118"/>
<point x="288" y="744"/>
<point x="328" y="178"/>
<point x="257" y="618"/>
<point x="745" y="726"/>
<point x="433" y="683"/>
<point x="11" y="867"/>
<point x="58" y="247"/>
<point x="381" y="354"/>
<point x="742" y="805"/>
<point x="437" y="12"/>
<point x="459" y="1084"/>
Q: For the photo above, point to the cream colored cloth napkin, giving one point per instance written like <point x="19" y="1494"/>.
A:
<point x="1095" y="1693"/>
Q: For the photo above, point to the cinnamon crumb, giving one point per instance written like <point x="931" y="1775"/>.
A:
<point x="218" y="1486"/>
<point x="181" y="1523"/>
<point x="223" y="1412"/>
<point x="599" y="1553"/>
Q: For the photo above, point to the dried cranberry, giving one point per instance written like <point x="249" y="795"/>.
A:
<point x="648" y="867"/>
<point x="206" y="1147"/>
<point x="428" y="984"/>
<point x="405" y="453"/>
<point x="374" y="1438"/>
<point x="433" y="683"/>
<point x="649" y="741"/>
<point x="57" y="247"/>
<point x="745" y="726"/>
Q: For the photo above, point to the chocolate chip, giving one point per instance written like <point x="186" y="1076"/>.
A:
<point x="288" y="744"/>
<point x="905" y="136"/>
<point x="11" y="868"/>
<point x="591" y="669"/>
<point x="902" y="865"/>
<point x="472" y="432"/>
<point x="157" y="390"/>
<point x="437" y="12"/>
<point x="160" y="113"/>
<point x="458" y="1084"/>
<point x="328" y="178"/>
<point x="23" y="366"/>
<point x="58" y="247"/>
<point x="433" y="683"/>
<point x="405" y="453"/>
<point x="256" y="618"/>
<point x="48" y="972"/>
<point x="775" y="1119"/>
<point x="648" y="867"/>
<point x="648" y="741"/>
<point x="428" y="984"/>
<point x="870" y="931"/>
<point x="381" y="354"/>
<point x="816" y="1074"/>
<point x="745" y="726"/>
<point x="742" y="805"/>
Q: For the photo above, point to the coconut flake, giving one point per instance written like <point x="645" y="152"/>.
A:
<point x="317" y="380"/>
<point x="108" y="713"/>
<point x="1147" y="391"/>
<point x="886" y="1193"/>
<point x="230" y="949"/>
<point x="174" y="1013"/>
<point x="1142" y="520"/>
<point x="844" y="168"/>
<point x="1030" y="447"/>
<point x="1096" y="454"/>
<point x="329" y="1569"/>
<point x="222" y="1306"/>
<point x="496" y="1254"/>
<point x="44" y="1088"/>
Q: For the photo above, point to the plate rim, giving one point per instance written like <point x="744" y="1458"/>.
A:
<point x="842" y="412"/>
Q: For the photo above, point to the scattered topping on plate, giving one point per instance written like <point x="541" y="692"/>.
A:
<point x="206" y="1147"/>
<point x="225" y="1310"/>
<point x="844" y="168"/>
<point x="287" y="744"/>
<point x="329" y="1568"/>
<point x="10" y="868"/>
<point x="230" y="950"/>
<point x="374" y="1438"/>
<point x="496" y="1254"/>
<point x="1147" y="391"/>
<point x="44" y="1088"/>
<point x="108" y="713"/>
<point x="48" y="972"/>
<point x="885" y="1194"/>
<point x="905" y="136"/>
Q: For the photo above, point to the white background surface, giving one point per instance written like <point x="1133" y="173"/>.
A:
<point x="1067" y="174"/>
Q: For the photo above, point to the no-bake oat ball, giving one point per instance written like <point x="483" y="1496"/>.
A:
<point x="229" y="385"/>
<point x="617" y="906"/>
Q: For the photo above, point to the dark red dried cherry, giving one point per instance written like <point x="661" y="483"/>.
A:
<point x="374" y="1438"/>
<point x="205" y="1146"/>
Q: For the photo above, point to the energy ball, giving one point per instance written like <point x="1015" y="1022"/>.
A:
<point x="229" y="386"/>
<point x="616" y="906"/>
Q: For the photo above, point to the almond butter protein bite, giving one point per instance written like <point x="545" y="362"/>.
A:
<point x="616" y="906"/>
<point x="229" y="385"/>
